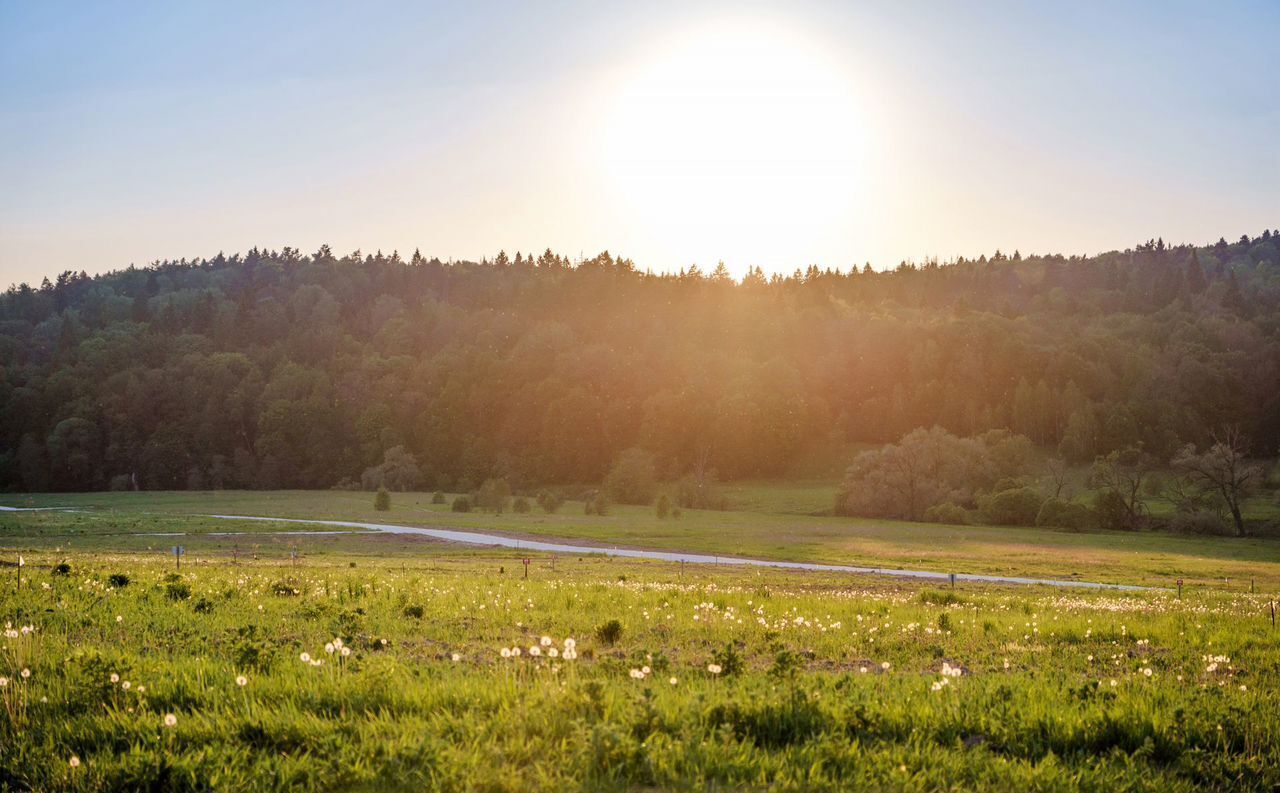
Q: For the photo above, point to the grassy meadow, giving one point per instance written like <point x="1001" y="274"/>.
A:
<point x="770" y="520"/>
<point x="385" y="662"/>
<point x="402" y="674"/>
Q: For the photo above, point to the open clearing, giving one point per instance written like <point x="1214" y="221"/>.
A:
<point x="1144" y="559"/>
<point x="285" y="660"/>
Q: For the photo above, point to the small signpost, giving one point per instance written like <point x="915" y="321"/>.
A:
<point x="178" y="551"/>
<point x="1179" y="589"/>
<point x="526" y="566"/>
<point x="22" y="562"/>
<point x="952" y="576"/>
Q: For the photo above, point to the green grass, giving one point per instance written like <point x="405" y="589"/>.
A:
<point x="1114" y="557"/>
<point x="1033" y="708"/>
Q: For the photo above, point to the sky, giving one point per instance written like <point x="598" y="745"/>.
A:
<point x="672" y="133"/>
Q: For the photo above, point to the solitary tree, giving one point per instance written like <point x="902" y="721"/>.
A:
<point x="1223" y="471"/>
<point x="382" y="500"/>
<point x="494" y="495"/>
<point x="1119" y="476"/>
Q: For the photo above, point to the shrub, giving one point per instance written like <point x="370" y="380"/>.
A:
<point x="437" y="497"/>
<point x="1199" y="522"/>
<point x="520" y="505"/>
<point x="176" y="590"/>
<point x="494" y="495"/>
<point x="609" y="632"/>
<point x="1016" y="507"/>
<point x="461" y="504"/>
<point x="633" y="478"/>
<point x="1056" y="513"/>
<point x="729" y="659"/>
<point x="549" y="501"/>
<point x="947" y="513"/>
<point x="61" y="568"/>
<point x="398" y="471"/>
<point x="663" y="507"/>
<point x="414" y="612"/>
<point x="118" y="580"/>
<point x="382" y="500"/>
<point x="1111" y="511"/>
<point x="284" y="589"/>
<point x="599" y="505"/>
<point x="693" y="492"/>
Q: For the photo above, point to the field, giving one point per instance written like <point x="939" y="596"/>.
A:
<point x="774" y="523"/>
<point x="379" y="662"/>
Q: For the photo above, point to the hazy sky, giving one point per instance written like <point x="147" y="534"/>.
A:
<point x="669" y="132"/>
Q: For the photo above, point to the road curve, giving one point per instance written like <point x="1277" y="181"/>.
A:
<point x="483" y="538"/>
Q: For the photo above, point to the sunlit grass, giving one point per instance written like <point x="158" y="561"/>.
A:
<point x="391" y="674"/>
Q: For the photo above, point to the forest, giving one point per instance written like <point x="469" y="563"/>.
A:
<point x="277" y="369"/>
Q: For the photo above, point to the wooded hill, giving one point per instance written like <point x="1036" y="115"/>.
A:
<point x="279" y="369"/>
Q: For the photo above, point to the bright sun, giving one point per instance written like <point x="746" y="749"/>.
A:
<point x="739" y="143"/>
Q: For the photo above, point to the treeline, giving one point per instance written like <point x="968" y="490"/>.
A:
<point x="279" y="369"/>
<point x="996" y="478"/>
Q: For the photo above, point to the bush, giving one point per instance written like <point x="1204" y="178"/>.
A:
<point x="461" y="504"/>
<point x="437" y="497"/>
<point x="1056" y="513"/>
<point x="1016" y="507"/>
<point x="704" y="493"/>
<point x="663" y="507"/>
<point x="382" y="500"/>
<point x="947" y="513"/>
<point x="633" y="478"/>
<point x="176" y="590"/>
<point x="549" y="501"/>
<point x="494" y="495"/>
<point x="597" y="505"/>
<point x="1110" y="511"/>
<point x="729" y="659"/>
<point x="62" y="569"/>
<point x="609" y="632"/>
<point x="398" y="471"/>
<point x="414" y="612"/>
<point x="1200" y="522"/>
<point x="284" y="589"/>
<point x="520" y="505"/>
<point x="118" y="580"/>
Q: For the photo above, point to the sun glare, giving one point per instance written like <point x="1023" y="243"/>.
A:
<point x="738" y="143"/>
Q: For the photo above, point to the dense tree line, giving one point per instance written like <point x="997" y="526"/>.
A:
<point x="279" y="369"/>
